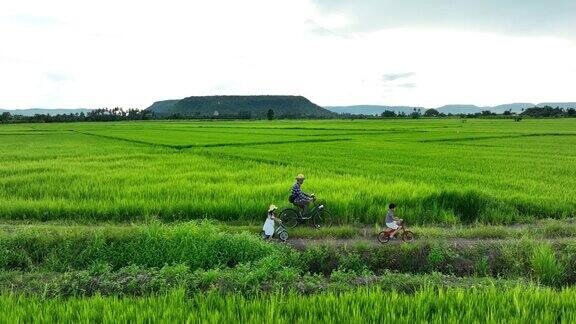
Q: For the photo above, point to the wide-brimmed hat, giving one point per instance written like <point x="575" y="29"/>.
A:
<point x="300" y="176"/>
<point x="272" y="208"/>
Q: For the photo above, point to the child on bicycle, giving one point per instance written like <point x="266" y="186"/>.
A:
<point x="392" y="222"/>
<point x="268" y="227"/>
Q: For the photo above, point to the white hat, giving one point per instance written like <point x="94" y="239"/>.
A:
<point x="300" y="176"/>
<point x="272" y="208"/>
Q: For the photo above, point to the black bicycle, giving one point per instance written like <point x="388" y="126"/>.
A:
<point x="320" y="217"/>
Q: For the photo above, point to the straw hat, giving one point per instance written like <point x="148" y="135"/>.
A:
<point x="272" y="208"/>
<point x="300" y="176"/>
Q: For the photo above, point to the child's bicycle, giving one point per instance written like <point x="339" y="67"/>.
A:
<point x="405" y="235"/>
<point x="280" y="231"/>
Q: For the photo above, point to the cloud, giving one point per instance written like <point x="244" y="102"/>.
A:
<point x="56" y="77"/>
<point x="395" y="76"/>
<point x="531" y="17"/>
<point x="273" y="47"/>
<point x="32" y="20"/>
<point x="407" y="85"/>
<point x="315" y="28"/>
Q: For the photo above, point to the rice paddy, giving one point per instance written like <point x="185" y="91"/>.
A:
<point x="436" y="171"/>
<point x="372" y="306"/>
<point x="159" y="221"/>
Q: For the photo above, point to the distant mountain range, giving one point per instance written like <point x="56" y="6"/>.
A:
<point x="372" y="109"/>
<point x="447" y="109"/>
<point x="240" y="106"/>
<point x="283" y="106"/>
<point x="45" y="111"/>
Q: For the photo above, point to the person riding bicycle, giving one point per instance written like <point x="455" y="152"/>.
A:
<point x="298" y="197"/>
<point x="268" y="227"/>
<point x="392" y="222"/>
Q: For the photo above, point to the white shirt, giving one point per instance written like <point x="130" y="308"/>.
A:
<point x="268" y="227"/>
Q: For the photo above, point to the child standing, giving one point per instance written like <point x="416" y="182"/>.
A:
<point x="268" y="227"/>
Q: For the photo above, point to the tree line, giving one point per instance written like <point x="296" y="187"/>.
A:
<point x="119" y="114"/>
<point x="102" y="114"/>
<point x="534" y="112"/>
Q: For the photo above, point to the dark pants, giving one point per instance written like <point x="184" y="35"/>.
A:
<point x="302" y="204"/>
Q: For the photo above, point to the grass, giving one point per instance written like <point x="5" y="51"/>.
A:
<point x="197" y="245"/>
<point x="364" y="305"/>
<point x="541" y="229"/>
<point x="140" y="281"/>
<point x="208" y="246"/>
<point x="231" y="171"/>
<point x="115" y="241"/>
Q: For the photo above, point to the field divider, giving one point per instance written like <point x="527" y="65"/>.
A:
<point x="462" y="139"/>
<point x="28" y="133"/>
<point x="187" y="146"/>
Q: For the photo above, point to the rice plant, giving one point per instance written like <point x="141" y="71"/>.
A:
<point x="436" y="171"/>
<point x="518" y="305"/>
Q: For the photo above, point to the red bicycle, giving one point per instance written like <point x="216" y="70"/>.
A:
<point x="402" y="233"/>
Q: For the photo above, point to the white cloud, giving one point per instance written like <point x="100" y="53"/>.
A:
<point x="131" y="53"/>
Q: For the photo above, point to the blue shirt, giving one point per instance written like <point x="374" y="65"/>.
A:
<point x="298" y="194"/>
<point x="390" y="216"/>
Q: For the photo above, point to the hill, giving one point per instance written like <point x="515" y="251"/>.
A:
<point x="45" y="111"/>
<point x="460" y="109"/>
<point x="163" y="105"/>
<point x="446" y="109"/>
<point x="240" y="106"/>
<point x="558" y="104"/>
<point x="371" y="109"/>
<point x="513" y="107"/>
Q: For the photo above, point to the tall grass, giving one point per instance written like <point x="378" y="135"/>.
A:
<point x="195" y="244"/>
<point x="365" y="305"/>
<point x="248" y="280"/>
<point x="61" y="171"/>
<point x="204" y="245"/>
<point x="547" y="267"/>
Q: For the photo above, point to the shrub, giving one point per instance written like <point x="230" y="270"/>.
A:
<point x="195" y="244"/>
<point x="546" y="267"/>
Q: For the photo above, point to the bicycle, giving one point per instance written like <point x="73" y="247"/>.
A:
<point x="280" y="231"/>
<point x="291" y="217"/>
<point x="405" y="235"/>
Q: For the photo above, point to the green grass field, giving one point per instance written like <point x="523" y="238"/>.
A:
<point x="99" y="221"/>
<point x="362" y="306"/>
<point x="437" y="171"/>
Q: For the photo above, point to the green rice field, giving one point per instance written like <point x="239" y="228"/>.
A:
<point x="362" y="306"/>
<point x="160" y="221"/>
<point x="447" y="171"/>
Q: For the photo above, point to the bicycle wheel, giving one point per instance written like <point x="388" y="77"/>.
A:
<point x="283" y="235"/>
<point x="322" y="218"/>
<point x="407" y="236"/>
<point x="383" y="237"/>
<point x="290" y="217"/>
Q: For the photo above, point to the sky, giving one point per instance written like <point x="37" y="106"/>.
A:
<point x="72" y="54"/>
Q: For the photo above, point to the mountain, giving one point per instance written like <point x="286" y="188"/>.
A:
<point x="558" y="104"/>
<point x="240" y="106"/>
<point x="514" y="107"/>
<point x="447" y="109"/>
<point x="45" y="111"/>
<point x="460" y="109"/>
<point x="372" y="109"/>
<point x="163" y="105"/>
